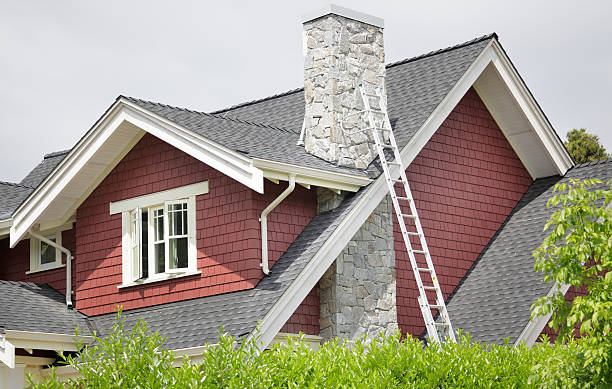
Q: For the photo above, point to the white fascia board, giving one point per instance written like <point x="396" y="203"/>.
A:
<point x="310" y="176"/>
<point x="159" y="197"/>
<point x="535" y="326"/>
<point x="284" y="307"/>
<point x="532" y="111"/>
<point x="45" y="341"/>
<point x="218" y="157"/>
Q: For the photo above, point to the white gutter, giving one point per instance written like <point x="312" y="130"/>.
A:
<point x="264" y="223"/>
<point x="68" y="264"/>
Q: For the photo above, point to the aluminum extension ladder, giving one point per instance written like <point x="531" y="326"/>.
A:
<point x="442" y="330"/>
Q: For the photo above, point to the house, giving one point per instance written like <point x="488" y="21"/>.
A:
<point x="266" y="214"/>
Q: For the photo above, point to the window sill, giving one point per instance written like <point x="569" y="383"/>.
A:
<point x="160" y="277"/>
<point x="46" y="268"/>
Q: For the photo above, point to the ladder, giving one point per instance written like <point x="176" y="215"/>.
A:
<point x="404" y="207"/>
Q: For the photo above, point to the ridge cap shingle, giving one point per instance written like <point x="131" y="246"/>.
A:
<point x="591" y="163"/>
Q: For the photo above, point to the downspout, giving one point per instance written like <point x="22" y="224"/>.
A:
<point x="264" y="223"/>
<point x="68" y="264"/>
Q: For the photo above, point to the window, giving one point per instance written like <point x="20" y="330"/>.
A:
<point x="159" y="231"/>
<point x="44" y="256"/>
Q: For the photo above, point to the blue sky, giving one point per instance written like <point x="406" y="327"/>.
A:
<point x="63" y="63"/>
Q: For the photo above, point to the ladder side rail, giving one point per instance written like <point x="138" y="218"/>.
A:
<point x="423" y="301"/>
<point x="413" y="210"/>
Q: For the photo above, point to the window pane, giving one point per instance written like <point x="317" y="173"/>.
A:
<point x="160" y="263"/>
<point x="177" y="219"/>
<point x="158" y="223"/>
<point x="178" y="253"/>
<point x="145" y="244"/>
<point x="47" y="253"/>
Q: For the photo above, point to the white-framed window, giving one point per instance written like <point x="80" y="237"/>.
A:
<point x="44" y="256"/>
<point x="159" y="234"/>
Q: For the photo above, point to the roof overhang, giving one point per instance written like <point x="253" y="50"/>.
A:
<point x="556" y="161"/>
<point x="56" y="199"/>
<point x="29" y="340"/>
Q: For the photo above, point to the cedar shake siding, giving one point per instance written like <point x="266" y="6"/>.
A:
<point x="16" y="262"/>
<point x="465" y="182"/>
<point x="228" y="230"/>
<point x="306" y="317"/>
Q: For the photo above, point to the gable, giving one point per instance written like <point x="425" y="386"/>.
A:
<point x="465" y="182"/>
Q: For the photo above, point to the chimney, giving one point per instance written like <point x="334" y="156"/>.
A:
<point x="342" y="48"/>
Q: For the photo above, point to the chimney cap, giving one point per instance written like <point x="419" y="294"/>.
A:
<point x="347" y="13"/>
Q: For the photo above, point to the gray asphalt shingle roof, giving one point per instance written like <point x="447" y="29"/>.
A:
<point x="32" y="307"/>
<point x="42" y="170"/>
<point x="11" y="196"/>
<point x="494" y="298"/>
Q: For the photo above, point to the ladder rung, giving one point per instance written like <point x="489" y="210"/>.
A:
<point x="442" y="324"/>
<point x="404" y="198"/>
<point x="382" y="129"/>
<point x="430" y="287"/>
<point x="419" y="251"/>
<point x="394" y="163"/>
<point x="424" y="269"/>
<point x="400" y="180"/>
<point x="384" y="146"/>
<point x="371" y="95"/>
<point x="409" y="216"/>
<point x="414" y="233"/>
<point x="436" y="306"/>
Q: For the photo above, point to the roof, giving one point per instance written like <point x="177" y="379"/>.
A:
<point x="42" y="170"/>
<point x="12" y="195"/>
<point x="194" y="322"/>
<point x="494" y="298"/>
<point x="38" y="308"/>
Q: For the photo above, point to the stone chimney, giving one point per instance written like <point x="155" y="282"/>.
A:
<point x="342" y="48"/>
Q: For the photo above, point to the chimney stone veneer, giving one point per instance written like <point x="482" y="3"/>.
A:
<point x="342" y="48"/>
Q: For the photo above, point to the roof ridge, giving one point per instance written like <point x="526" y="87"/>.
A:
<point x="56" y="153"/>
<point x="250" y="102"/>
<point x="591" y="163"/>
<point x="16" y="184"/>
<point x="213" y="115"/>
<point x="492" y="35"/>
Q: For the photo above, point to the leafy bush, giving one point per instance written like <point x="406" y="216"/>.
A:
<point x="136" y="359"/>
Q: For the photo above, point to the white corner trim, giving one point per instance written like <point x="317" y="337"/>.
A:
<point x="160" y="277"/>
<point x="346" y="12"/>
<point x="7" y="353"/>
<point x="159" y="197"/>
<point x="534" y="327"/>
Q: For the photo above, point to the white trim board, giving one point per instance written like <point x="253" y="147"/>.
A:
<point x="159" y="197"/>
<point x="280" y="312"/>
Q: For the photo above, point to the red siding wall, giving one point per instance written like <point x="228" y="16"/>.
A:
<point x="228" y="232"/>
<point x="306" y="317"/>
<point x="570" y="295"/>
<point x="16" y="262"/>
<point x="465" y="182"/>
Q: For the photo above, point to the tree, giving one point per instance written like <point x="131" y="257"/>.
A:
<point x="578" y="252"/>
<point x="584" y="147"/>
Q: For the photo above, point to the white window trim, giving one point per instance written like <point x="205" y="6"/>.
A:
<point x="186" y="193"/>
<point x="35" y="266"/>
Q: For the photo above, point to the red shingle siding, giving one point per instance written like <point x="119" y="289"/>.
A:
<point x="570" y="295"/>
<point x="306" y="317"/>
<point x="16" y="262"/>
<point x="228" y="231"/>
<point x="465" y="182"/>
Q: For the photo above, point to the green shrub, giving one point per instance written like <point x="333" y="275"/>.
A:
<point x="136" y="359"/>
